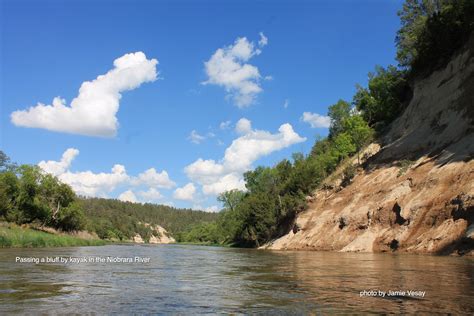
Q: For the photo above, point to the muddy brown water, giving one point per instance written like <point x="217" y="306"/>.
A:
<point x="182" y="279"/>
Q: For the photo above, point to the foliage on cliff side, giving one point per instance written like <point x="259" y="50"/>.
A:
<point x="431" y="31"/>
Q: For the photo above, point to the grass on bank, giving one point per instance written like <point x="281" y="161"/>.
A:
<point x="13" y="236"/>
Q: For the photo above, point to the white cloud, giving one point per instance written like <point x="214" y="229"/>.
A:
<point x="248" y="148"/>
<point x="212" y="209"/>
<point x="316" y="120"/>
<point x="205" y="171"/>
<point x="243" y="126"/>
<point x="100" y="184"/>
<point x="209" y="209"/>
<point x="185" y="193"/>
<point x="224" y="183"/>
<point x="225" y="125"/>
<point x="216" y="177"/>
<point x="286" y="104"/>
<point x="263" y="40"/>
<point x="152" y="178"/>
<point x="228" y="68"/>
<point x="195" y="138"/>
<point x="93" y="111"/>
<point x="95" y="184"/>
<point x="150" y="195"/>
<point x="128" y="196"/>
<point x="58" y="167"/>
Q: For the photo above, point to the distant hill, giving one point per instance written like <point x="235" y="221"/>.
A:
<point x="114" y="219"/>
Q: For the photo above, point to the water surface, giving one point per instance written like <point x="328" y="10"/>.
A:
<point x="192" y="279"/>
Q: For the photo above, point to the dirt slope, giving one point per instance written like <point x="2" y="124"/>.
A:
<point x="415" y="194"/>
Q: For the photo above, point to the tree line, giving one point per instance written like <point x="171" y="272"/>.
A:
<point x="114" y="219"/>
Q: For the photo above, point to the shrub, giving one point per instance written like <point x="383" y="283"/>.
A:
<point x="404" y="165"/>
<point x="71" y="218"/>
<point x="348" y="174"/>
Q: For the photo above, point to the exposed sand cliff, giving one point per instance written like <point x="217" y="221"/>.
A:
<point x="164" y="238"/>
<point x="161" y="236"/>
<point x="416" y="192"/>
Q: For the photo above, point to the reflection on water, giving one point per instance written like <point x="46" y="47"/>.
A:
<point x="193" y="279"/>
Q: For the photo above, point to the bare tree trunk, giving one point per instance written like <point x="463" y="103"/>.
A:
<point x="56" y="212"/>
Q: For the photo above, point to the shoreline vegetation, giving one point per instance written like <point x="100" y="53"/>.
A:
<point x="14" y="236"/>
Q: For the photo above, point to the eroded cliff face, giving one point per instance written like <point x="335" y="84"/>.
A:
<point x="161" y="236"/>
<point x="415" y="193"/>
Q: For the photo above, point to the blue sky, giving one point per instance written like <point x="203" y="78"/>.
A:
<point x="307" y="54"/>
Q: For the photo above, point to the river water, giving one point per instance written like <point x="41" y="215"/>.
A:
<point x="181" y="279"/>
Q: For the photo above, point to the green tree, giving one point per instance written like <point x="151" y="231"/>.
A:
<point x="8" y="192"/>
<point x="28" y="202"/>
<point x="385" y="98"/>
<point x="5" y="163"/>
<point x="338" y="113"/>
<point x="70" y="218"/>
<point x="259" y="220"/>
<point x="413" y="17"/>
<point x="359" y="131"/>
<point x="55" y="195"/>
<point x="432" y="30"/>
<point x="231" y="198"/>
<point x="344" y="144"/>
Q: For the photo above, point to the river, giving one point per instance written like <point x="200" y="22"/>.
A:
<point x="187" y="279"/>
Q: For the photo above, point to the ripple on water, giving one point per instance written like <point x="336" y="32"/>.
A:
<point x="193" y="279"/>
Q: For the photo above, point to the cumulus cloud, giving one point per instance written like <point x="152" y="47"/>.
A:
<point x="93" y="111"/>
<point x="212" y="209"/>
<point x="316" y="120"/>
<point x="224" y="183"/>
<point x="196" y="138"/>
<point x="95" y="184"/>
<point x="152" y="178"/>
<point x="185" y="193"/>
<point x="209" y="209"/>
<point x="228" y="68"/>
<point x="150" y="195"/>
<point x="59" y="167"/>
<point x="226" y="174"/>
<point x="128" y="196"/>
<point x="89" y="183"/>
<point x="286" y="104"/>
<point x="243" y="126"/>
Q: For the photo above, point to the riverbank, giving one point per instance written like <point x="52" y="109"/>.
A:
<point x="14" y="236"/>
